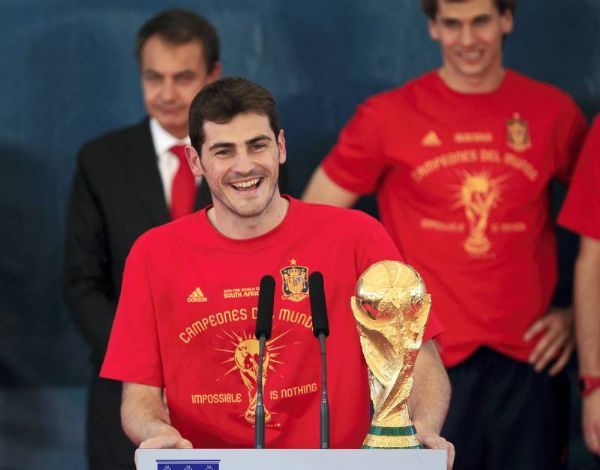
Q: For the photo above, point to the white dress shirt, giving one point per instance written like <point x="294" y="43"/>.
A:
<point x="168" y="163"/>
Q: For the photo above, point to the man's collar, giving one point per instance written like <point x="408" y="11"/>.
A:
<point x="162" y="140"/>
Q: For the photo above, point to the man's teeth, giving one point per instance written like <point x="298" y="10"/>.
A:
<point x="471" y="55"/>
<point x="246" y="184"/>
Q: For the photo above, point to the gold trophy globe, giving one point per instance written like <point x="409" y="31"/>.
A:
<point x="391" y="307"/>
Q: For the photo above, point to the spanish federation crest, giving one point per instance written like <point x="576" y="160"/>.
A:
<point x="295" y="282"/>
<point x="517" y="133"/>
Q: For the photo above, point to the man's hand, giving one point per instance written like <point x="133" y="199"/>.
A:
<point x="557" y="341"/>
<point x="587" y="314"/>
<point x="591" y="421"/>
<point x="434" y="441"/>
<point x="166" y="441"/>
<point x="145" y="418"/>
<point x="170" y="439"/>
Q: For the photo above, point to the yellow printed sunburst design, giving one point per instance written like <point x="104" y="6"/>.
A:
<point x="244" y="357"/>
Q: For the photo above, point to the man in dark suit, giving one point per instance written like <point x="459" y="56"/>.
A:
<point x="127" y="182"/>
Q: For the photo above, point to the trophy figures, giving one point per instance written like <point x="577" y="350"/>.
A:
<point x="391" y="307"/>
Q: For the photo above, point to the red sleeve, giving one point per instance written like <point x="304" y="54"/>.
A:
<point x="356" y="162"/>
<point x="133" y="353"/>
<point x="570" y="134"/>
<point x="581" y="209"/>
<point x="376" y="245"/>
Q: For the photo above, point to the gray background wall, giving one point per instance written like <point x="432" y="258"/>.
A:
<point x="67" y="74"/>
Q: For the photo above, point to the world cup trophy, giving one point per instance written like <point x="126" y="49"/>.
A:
<point x="391" y="308"/>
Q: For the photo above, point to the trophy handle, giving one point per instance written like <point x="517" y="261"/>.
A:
<point x="377" y="349"/>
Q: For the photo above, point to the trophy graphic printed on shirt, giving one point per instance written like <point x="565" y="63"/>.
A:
<point x="246" y="360"/>
<point x="391" y="308"/>
<point x="478" y="195"/>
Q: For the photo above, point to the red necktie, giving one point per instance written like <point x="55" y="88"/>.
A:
<point x="183" y="191"/>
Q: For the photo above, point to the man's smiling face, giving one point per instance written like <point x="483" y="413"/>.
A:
<point x="240" y="161"/>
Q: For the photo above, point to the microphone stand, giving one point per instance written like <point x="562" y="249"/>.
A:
<point x="263" y="332"/>
<point x="259" y="413"/>
<point x="324" y="400"/>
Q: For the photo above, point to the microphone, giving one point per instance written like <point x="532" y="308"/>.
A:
<point x="318" y="308"/>
<point x="264" y="323"/>
<point x="318" y="311"/>
<point x="266" y="295"/>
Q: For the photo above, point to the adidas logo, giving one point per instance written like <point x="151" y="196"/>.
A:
<point x="431" y="139"/>
<point x="196" y="296"/>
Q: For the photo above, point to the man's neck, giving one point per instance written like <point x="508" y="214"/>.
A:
<point x="179" y="133"/>
<point x="484" y="83"/>
<point x="162" y="138"/>
<point x="241" y="228"/>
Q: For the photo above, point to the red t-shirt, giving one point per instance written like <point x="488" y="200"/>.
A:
<point x="187" y="314"/>
<point x="462" y="187"/>
<point x="581" y="210"/>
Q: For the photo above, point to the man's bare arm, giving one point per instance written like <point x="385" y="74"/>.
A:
<point x="587" y="326"/>
<point x="146" y="421"/>
<point x="324" y="190"/>
<point x="430" y="398"/>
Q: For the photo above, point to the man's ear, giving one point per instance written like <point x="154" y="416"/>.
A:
<point x="507" y="20"/>
<point x="281" y="145"/>
<point x="433" y="30"/>
<point x="193" y="159"/>
<point x="215" y="74"/>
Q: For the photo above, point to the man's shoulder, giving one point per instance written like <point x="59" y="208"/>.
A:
<point x="539" y="90"/>
<point x="340" y="218"/>
<point x="113" y="144"/>
<point x="339" y="228"/>
<point x="185" y="229"/>
<point x="402" y="94"/>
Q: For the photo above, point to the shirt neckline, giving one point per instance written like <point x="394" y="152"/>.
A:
<point x="446" y="90"/>
<point x="253" y="242"/>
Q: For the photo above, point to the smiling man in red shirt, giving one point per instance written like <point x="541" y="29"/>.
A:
<point x="187" y="310"/>
<point x="460" y="160"/>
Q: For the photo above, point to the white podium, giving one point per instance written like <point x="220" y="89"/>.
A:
<point x="291" y="459"/>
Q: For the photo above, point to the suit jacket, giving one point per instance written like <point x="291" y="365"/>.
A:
<point x="116" y="196"/>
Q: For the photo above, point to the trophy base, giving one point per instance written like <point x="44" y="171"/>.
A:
<point x="380" y="437"/>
